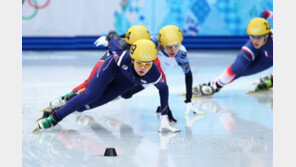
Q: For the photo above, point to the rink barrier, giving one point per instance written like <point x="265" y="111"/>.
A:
<point x="86" y="43"/>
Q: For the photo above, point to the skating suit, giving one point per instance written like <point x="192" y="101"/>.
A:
<point x="114" y="77"/>
<point x="249" y="60"/>
<point x="181" y="60"/>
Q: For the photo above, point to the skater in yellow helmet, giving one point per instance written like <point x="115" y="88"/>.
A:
<point x="171" y="52"/>
<point x="121" y="71"/>
<point x="255" y="56"/>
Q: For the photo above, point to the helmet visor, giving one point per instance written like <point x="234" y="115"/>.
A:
<point x="177" y="46"/>
<point x="142" y="63"/>
<point x="257" y="37"/>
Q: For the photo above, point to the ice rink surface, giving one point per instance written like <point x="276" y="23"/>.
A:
<point x="236" y="131"/>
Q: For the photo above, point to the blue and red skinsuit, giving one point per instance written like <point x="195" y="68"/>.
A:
<point x="99" y="63"/>
<point x="251" y="60"/>
<point x="114" y="77"/>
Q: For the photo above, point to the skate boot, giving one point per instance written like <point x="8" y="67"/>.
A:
<point x="164" y="125"/>
<point x="46" y="113"/>
<point x="265" y="83"/>
<point x="49" y="122"/>
<point x="61" y="101"/>
<point x="205" y="89"/>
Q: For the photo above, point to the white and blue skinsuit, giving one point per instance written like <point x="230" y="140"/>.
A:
<point x="113" y="78"/>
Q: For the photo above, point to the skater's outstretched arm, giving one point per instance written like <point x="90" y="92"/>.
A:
<point x="163" y="94"/>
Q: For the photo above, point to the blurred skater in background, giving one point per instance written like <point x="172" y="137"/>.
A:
<point x="255" y="56"/>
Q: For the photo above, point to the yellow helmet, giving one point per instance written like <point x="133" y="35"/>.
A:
<point x="258" y="26"/>
<point x="143" y="50"/>
<point x="135" y="33"/>
<point x="170" y="35"/>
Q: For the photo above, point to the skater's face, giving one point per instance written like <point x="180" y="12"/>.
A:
<point x="259" y="41"/>
<point x="142" y="67"/>
<point x="172" y="50"/>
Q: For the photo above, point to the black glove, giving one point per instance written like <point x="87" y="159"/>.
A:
<point x="112" y="35"/>
<point x="187" y="101"/>
<point x="124" y="45"/>
<point x="158" y="110"/>
<point x="170" y="115"/>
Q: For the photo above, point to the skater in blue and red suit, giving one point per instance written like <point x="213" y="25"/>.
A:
<point x="255" y="56"/>
<point x="120" y="72"/>
<point x="170" y="53"/>
<point x="133" y="34"/>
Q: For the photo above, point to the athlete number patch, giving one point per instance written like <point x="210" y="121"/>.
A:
<point x="128" y="35"/>
<point x="133" y="48"/>
<point x="267" y="27"/>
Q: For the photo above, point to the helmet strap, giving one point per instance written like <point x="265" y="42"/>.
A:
<point x="266" y="38"/>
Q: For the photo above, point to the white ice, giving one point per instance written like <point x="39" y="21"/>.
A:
<point x="236" y="131"/>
